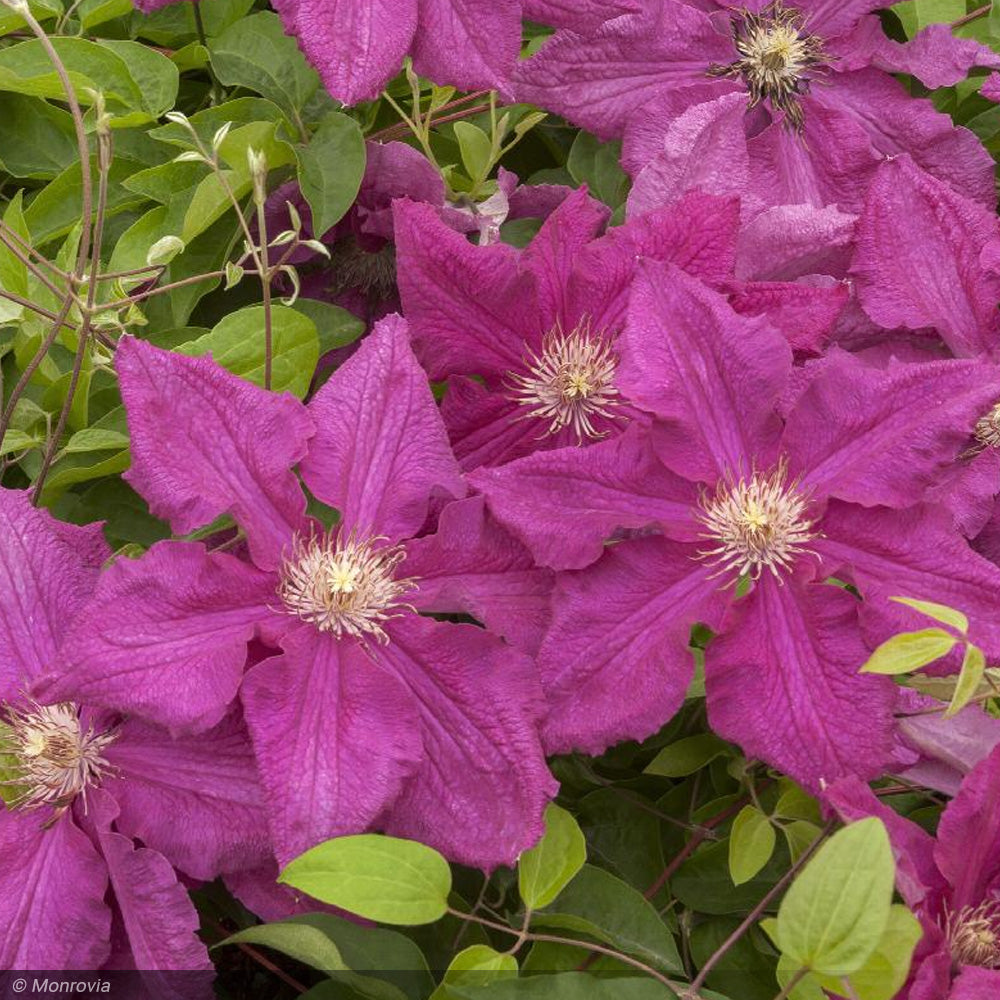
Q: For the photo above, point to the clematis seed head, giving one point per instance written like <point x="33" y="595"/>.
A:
<point x="346" y="586"/>
<point x="569" y="382"/>
<point x="974" y="935"/>
<point x="757" y="524"/>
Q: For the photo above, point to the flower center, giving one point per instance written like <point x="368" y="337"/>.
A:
<point x="570" y="382"/>
<point x="777" y="56"/>
<point x="974" y="935"/>
<point x="344" y="586"/>
<point x="756" y="524"/>
<point x="987" y="430"/>
<point x="52" y="758"/>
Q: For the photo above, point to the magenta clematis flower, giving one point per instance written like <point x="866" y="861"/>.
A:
<point x="721" y="488"/>
<point x="83" y="785"/>
<point x="527" y="339"/>
<point x="951" y="882"/>
<point x="371" y="715"/>
<point x="815" y="94"/>
<point x="358" y="45"/>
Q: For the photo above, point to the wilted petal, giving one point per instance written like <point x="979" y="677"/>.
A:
<point x="711" y="376"/>
<point x="783" y="683"/>
<point x="52" y="885"/>
<point x="479" y="703"/>
<point x="918" y="262"/>
<point x="565" y="504"/>
<point x="165" y="636"/>
<point x="380" y="447"/>
<point x="205" y="443"/>
<point x="196" y="799"/>
<point x="335" y="735"/>
<point x="472" y="565"/>
<point x="880" y="436"/>
<point x="615" y="663"/>
<point x="47" y="571"/>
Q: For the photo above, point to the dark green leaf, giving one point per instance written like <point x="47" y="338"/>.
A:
<point x="331" y="167"/>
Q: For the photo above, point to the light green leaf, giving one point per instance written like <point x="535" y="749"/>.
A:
<point x="569" y="986"/>
<point x="969" y="679"/>
<point x="301" y="941"/>
<point x="476" y="149"/>
<point x="545" y="869"/>
<point x="237" y="343"/>
<point x="687" y="756"/>
<point x="799" y="835"/>
<point x="751" y="844"/>
<point x="939" y="612"/>
<point x="331" y="167"/>
<point x="15" y="440"/>
<point x="478" y="965"/>
<point x="13" y="271"/>
<point x="909" y="651"/>
<point x="837" y="909"/>
<point x="382" y="878"/>
<point x="95" y="439"/>
<point x="336" y="326"/>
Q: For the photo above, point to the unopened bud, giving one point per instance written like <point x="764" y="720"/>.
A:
<point x="257" y="162"/>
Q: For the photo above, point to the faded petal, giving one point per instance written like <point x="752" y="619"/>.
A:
<point x="782" y="682"/>
<point x="165" y="636"/>
<point x="47" y="571"/>
<point x="380" y="448"/>
<point x="565" y="504"/>
<point x="479" y="704"/>
<point x="52" y="885"/>
<point x="473" y="565"/>
<point x="615" y="663"/>
<point x="205" y="443"/>
<point x="335" y="736"/>
<point x="711" y="376"/>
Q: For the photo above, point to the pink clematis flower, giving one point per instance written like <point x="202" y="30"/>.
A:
<point x="800" y="88"/>
<point x="83" y="786"/>
<point x="371" y="715"/>
<point x="719" y="488"/>
<point x="951" y="882"/>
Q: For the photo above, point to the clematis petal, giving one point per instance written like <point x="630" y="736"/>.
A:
<point x="918" y="261"/>
<point x="583" y="16"/>
<point x="968" y="837"/>
<point x="464" y="303"/>
<point x="52" y="885"/>
<point x="479" y="703"/>
<point x="469" y="44"/>
<point x="597" y="81"/>
<point x="881" y="436"/>
<point x="196" y="800"/>
<point x="165" y="636"/>
<point x="380" y="448"/>
<point x="974" y="983"/>
<point x="47" y="570"/>
<point x="473" y="565"/>
<point x="160" y="919"/>
<point x="804" y="313"/>
<point x="782" y="681"/>
<point x="615" y="662"/>
<point x="565" y="504"/>
<point x="206" y="443"/>
<point x="335" y="735"/>
<point x="711" y="376"/>
<point x="356" y="47"/>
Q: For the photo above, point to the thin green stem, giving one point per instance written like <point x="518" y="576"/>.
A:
<point x="265" y="284"/>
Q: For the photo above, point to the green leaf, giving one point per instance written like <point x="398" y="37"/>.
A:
<point x="13" y="271"/>
<point x="939" y="612"/>
<point x="301" y="941"/>
<point x="95" y="439"/>
<point x="156" y="77"/>
<point x="969" y="679"/>
<point x="837" y="909"/>
<point x="598" y="165"/>
<point x="476" y="149"/>
<point x="336" y="326"/>
<point x="545" y="869"/>
<point x="605" y="908"/>
<point x="331" y="167"/>
<point x="687" y="756"/>
<point x="36" y="138"/>
<point x="909" y="651"/>
<point x="799" y="835"/>
<point x="477" y="965"/>
<point x="382" y="878"/>
<point x="568" y="986"/>
<point x="751" y="844"/>
<point x="237" y="343"/>
<point x="95" y="12"/>
<point x="255" y="53"/>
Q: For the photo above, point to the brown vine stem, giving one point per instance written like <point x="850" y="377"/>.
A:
<point x="34" y="307"/>
<point x="972" y="16"/>
<point x="755" y="914"/>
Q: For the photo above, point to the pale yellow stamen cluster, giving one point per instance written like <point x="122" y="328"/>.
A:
<point x="756" y="524"/>
<point x="777" y="56"/>
<point x="52" y="758"/>
<point x="987" y="430"/>
<point x="569" y="382"/>
<point x="346" y="585"/>
<point x="974" y="935"/>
